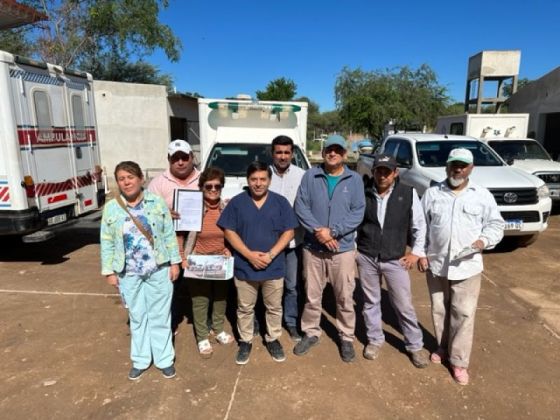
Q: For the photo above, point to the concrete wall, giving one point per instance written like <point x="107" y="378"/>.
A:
<point x="538" y="98"/>
<point x="133" y="124"/>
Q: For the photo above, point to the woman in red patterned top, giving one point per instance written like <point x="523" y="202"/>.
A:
<point x="209" y="241"/>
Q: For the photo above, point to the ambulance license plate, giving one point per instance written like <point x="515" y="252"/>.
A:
<point x="54" y="220"/>
<point x="514" y="224"/>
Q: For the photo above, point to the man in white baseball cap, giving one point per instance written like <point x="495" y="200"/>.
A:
<point x="462" y="220"/>
<point x="460" y="155"/>
<point x="180" y="174"/>
<point x="179" y="146"/>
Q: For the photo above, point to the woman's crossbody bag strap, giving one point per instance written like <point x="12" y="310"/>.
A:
<point x="137" y="222"/>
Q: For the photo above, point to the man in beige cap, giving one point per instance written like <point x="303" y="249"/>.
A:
<point x="462" y="220"/>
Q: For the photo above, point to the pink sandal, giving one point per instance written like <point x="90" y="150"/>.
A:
<point x="460" y="375"/>
<point x="438" y="356"/>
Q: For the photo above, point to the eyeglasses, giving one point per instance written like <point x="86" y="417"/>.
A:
<point x="210" y="187"/>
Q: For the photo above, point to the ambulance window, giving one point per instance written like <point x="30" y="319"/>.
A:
<point x="78" y="112"/>
<point x="42" y="109"/>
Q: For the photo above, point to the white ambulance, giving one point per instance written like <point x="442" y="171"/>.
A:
<point x="236" y="132"/>
<point x="50" y="168"/>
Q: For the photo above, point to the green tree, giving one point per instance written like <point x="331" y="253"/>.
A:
<point x="313" y="107"/>
<point x="101" y="35"/>
<point x="508" y="87"/>
<point x="455" y="108"/>
<point x="14" y="41"/>
<point x="117" y="69"/>
<point x="367" y="100"/>
<point x="281" y="89"/>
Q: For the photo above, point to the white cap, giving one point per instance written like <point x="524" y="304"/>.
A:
<point x="460" y="155"/>
<point x="178" y="146"/>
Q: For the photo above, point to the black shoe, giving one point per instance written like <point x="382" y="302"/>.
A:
<point x="168" y="372"/>
<point x="243" y="353"/>
<point x="347" y="352"/>
<point x="294" y="334"/>
<point x="135" y="373"/>
<point x="305" y="344"/>
<point x="276" y="351"/>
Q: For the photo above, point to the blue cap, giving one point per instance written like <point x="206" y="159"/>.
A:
<point x="335" y="140"/>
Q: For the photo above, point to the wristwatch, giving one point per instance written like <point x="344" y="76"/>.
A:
<point x="271" y="255"/>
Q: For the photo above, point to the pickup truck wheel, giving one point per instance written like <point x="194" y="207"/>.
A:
<point x="526" y="240"/>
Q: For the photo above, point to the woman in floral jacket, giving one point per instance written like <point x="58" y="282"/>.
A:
<point x="140" y="256"/>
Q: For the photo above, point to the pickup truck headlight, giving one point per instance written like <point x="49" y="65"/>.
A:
<point x="543" y="192"/>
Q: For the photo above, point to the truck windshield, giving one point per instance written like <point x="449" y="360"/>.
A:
<point x="434" y="153"/>
<point x="519" y="149"/>
<point x="234" y="159"/>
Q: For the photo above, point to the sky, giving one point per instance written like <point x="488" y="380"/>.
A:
<point x="232" y="47"/>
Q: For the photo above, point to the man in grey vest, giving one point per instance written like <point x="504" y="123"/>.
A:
<point x="393" y="215"/>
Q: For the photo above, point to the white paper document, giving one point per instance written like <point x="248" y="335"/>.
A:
<point x="188" y="204"/>
<point x="466" y="252"/>
<point x="209" y="267"/>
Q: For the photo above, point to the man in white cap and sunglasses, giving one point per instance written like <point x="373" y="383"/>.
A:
<point x="180" y="174"/>
<point x="462" y="220"/>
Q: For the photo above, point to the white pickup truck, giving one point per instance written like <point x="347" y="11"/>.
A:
<point x="236" y="132"/>
<point x="523" y="199"/>
<point x="507" y="135"/>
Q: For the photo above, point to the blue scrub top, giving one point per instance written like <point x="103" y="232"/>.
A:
<point x="259" y="229"/>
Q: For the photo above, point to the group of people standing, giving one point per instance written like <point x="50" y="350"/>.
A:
<point x="293" y="228"/>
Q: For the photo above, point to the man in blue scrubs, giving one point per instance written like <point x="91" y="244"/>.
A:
<point x="259" y="224"/>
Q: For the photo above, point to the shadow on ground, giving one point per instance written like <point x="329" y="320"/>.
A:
<point x="53" y="251"/>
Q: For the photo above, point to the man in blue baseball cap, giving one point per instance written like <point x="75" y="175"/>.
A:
<point x="330" y="205"/>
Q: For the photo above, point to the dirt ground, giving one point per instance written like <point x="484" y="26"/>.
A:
<point x="65" y="350"/>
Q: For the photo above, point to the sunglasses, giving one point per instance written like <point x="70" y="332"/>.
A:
<point x="336" y="149"/>
<point x="210" y="187"/>
<point x="180" y="156"/>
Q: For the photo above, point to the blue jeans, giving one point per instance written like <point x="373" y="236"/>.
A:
<point x="400" y="296"/>
<point x="291" y="284"/>
<point x="149" y="308"/>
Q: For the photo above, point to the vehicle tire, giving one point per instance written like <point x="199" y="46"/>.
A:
<point x="523" y="241"/>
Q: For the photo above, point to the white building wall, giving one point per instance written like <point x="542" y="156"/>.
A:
<point x="133" y="124"/>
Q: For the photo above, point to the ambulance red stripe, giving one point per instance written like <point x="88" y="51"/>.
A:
<point x="49" y="188"/>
